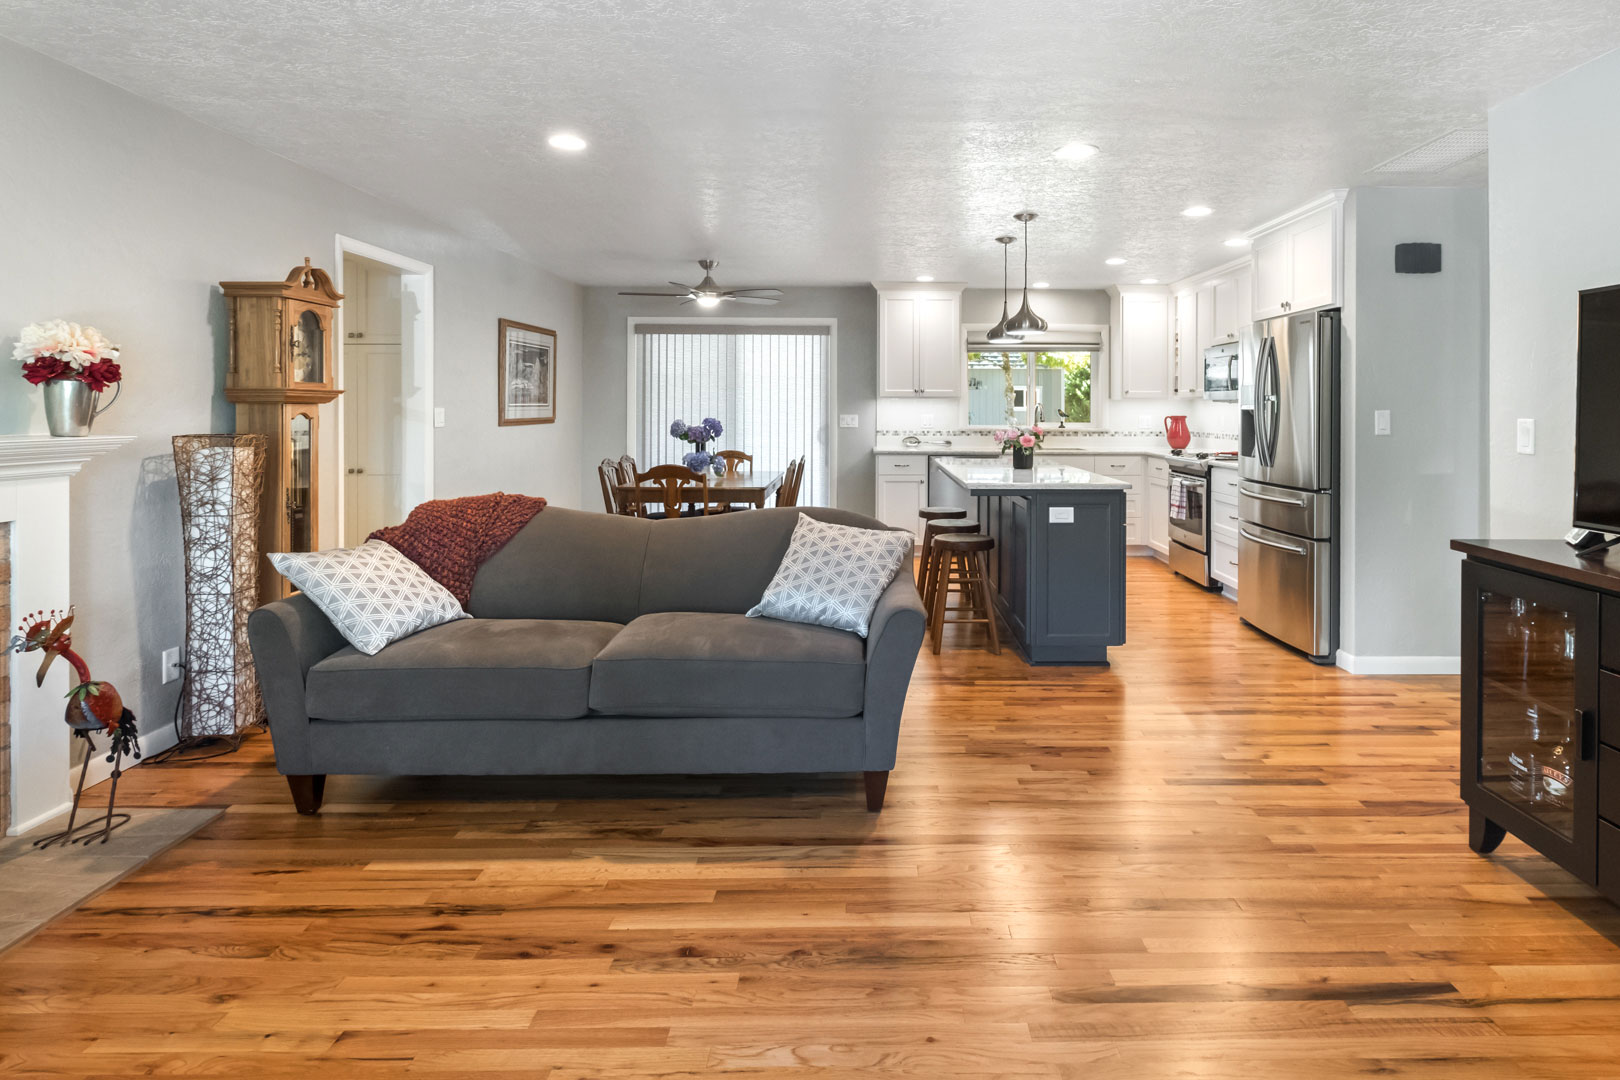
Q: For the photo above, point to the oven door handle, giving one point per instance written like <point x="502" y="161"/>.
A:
<point x="1271" y="498"/>
<point x="1247" y="535"/>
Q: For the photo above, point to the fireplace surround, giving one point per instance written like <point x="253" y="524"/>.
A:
<point x="35" y="472"/>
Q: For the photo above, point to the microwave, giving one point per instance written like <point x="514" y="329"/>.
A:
<point x="1221" y="372"/>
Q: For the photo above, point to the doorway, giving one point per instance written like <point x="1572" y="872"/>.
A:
<point x="385" y="416"/>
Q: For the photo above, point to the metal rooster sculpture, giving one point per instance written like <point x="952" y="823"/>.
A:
<point x="92" y="706"/>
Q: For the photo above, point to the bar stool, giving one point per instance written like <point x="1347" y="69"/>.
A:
<point x="932" y="564"/>
<point x="962" y="564"/>
<point x="931" y="514"/>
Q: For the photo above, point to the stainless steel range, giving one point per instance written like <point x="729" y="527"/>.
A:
<point x="1189" y="519"/>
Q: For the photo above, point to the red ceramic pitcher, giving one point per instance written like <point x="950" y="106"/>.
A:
<point x="1175" y="429"/>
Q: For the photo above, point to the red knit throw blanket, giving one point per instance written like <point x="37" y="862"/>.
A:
<point x="451" y="538"/>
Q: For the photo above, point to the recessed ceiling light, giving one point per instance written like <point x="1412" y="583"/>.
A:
<point x="925" y="277"/>
<point x="1238" y="241"/>
<point x="1115" y="261"/>
<point x="1040" y="284"/>
<point x="1197" y="211"/>
<point x="1149" y="281"/>
<point x="566" y="140"/>
<point x="1075" y="151"/>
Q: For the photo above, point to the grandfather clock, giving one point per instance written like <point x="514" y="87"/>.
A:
<point x="280" y="372"/>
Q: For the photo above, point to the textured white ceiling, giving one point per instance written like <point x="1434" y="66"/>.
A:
<point x="833" y="141"/>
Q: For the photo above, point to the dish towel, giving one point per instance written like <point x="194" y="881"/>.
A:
<point x="1179" y="498"/>
<point x="451" y="538"/>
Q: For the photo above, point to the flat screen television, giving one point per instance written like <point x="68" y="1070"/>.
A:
<point x="1597" y="412"/>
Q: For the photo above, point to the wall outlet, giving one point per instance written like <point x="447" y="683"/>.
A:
<point x="1527" y="436"/>
<point x="171" y="665"/>
<point x="849" y="420"/>
<point x="1381" y="422"/>
<point x="438" y="417"/>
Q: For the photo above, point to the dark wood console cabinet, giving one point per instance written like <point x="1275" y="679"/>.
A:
<point x="1541" y="703"/>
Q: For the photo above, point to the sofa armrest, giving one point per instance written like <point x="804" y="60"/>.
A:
<point x="288" y="637"/>
<point x="893" y="638"/>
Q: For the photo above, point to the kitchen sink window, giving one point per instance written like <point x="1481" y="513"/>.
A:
<point x="1025" y="385"/>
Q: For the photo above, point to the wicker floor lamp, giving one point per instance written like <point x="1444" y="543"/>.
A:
<point x="220" y="478"/>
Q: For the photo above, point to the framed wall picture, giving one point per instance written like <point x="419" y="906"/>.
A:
<point x="528" y="374"/>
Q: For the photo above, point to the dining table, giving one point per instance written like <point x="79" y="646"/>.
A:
<point x="734" y="489"/>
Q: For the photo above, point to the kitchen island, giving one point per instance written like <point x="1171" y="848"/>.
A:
<point x="1057" y="574"/>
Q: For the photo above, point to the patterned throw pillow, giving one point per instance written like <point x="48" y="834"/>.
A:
<point x="372" y="593"/>
<point x="832" y="575"/>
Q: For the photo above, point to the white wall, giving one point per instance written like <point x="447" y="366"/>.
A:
<point x="1413" y="344"/>
<point x="1555" y="230"/>
<point x="124" y="215"/>
<point x="606" y="323"/>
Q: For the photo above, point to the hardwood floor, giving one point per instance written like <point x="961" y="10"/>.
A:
<point x="1212" y="860"/>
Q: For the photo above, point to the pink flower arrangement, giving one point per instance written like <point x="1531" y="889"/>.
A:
<point x="1007" y="438"/>
<point x="64" y="350"/>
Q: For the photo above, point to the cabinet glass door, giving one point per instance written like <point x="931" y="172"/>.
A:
<point x="1528" y="725"/>
<point x="1529" y="694"/>
<point x="300" y="486"/>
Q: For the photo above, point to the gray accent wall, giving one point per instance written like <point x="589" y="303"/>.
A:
<point x="606" y="373"/>
<point x="1414" y="344"/>
<point x="125" y="215"/>
<point x="1555" y="230"/>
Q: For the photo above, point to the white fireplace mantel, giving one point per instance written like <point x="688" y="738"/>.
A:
<point x="34" y="476"/>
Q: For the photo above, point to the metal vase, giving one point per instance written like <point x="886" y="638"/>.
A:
<point x="71" y="406"/>
<point x="1023" y="457"/>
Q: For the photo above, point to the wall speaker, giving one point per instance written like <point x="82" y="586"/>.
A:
<point x="1417" y="258"/>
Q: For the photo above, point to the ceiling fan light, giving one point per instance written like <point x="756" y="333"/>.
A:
<point x="708" y="301"/>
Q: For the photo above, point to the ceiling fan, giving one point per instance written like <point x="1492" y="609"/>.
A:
<point x="707" y="294"/>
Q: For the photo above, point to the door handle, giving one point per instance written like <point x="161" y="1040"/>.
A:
<point x="1271" y="498"/>
<point x="1586" y="723"/>
<point x="1247" y="535"/>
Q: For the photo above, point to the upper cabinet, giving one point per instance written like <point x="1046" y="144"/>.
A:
<point x="1298" y="260"/>
<point x="920" y="344"/>
<point x="1188" y="373"/>
<point x="1142" y="344"/>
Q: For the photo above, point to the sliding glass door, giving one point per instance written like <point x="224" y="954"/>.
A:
<point x="766" y="384"/>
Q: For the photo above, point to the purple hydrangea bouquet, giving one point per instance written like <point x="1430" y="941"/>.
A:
<point x="700" y="435"/>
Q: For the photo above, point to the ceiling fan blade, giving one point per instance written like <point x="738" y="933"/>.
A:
<point x="753" y="299"/>
<point x="754" y="292"/>
<point x="688" y="288"/>
<point x="652" y="294"/>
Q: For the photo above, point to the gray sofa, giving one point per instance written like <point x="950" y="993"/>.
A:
<point x="599" y="645"/>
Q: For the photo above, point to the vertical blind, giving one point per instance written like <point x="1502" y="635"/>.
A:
<point x="766" y="384"/>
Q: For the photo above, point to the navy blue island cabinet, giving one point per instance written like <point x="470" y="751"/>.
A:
<point x="1058" y="569"/>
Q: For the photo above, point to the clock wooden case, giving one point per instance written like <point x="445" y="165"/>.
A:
<point x="279" y="373"/>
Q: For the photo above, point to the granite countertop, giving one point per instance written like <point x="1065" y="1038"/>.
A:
<point x="981" y="477"/>
<point x="1045" y="452"/>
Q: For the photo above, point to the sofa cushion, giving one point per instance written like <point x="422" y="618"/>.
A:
<point x="478" y="669"/>
<point x="565" y="564"/>
<point x="684" y="663"/>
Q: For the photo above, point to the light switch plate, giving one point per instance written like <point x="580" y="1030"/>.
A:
<point x="1527" y="436"/>
<point x="1381" y="422"/>
<point x="1060" y="515"/>
<point x="438" y="417"/>
<point x="849" y="419"/>
<point x="171" y="664"/>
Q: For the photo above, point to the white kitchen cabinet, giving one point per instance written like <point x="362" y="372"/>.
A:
<point x="1158" y="514"/>
<point x="1297" y="262"/>
<point x="1223" y="527"/>
<point x="1143" y="348"/>
<point x="1189" y="373"/>
<point x="1227" y="320"/>
<point x="920" y="344"/>
<point x="902" y="491"/>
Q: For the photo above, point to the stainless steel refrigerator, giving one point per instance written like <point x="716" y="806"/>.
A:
<point x="1288" y="553"/>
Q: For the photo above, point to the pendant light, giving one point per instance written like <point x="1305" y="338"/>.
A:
<point x="1026" y="324"/>
<point x="997" y="334"/>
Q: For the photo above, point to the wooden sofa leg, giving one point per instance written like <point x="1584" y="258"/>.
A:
<point x="876" y="784"/>
<point x="307" y="792"/>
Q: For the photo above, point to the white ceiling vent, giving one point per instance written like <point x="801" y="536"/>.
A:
<point x="1438" y="155"/>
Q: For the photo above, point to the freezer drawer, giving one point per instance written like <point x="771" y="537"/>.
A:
<point x="1299" y="513"/>
<point x="1288" y="588"/>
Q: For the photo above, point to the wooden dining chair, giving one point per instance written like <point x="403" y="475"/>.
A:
<point x="675" y="486"/>
<point x="735" y="460"/>
<point x="788" y="493"/>
<point x="627" y="468"/>
<point x="608" y="474"/>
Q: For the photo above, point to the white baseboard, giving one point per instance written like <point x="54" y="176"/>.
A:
<point x="1398" y="665"/>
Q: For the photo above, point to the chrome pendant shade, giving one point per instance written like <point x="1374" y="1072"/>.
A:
<point x="1025" y="324"/>
<point x="997" y="334"/>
